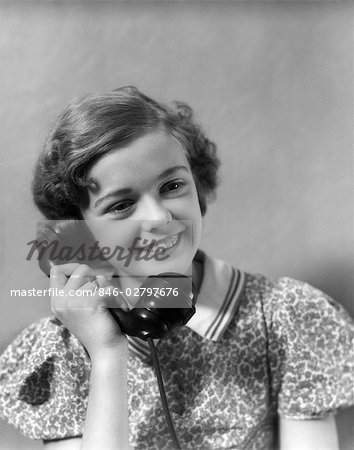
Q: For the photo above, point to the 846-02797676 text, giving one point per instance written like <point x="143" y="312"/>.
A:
<point x="102" y="291"/>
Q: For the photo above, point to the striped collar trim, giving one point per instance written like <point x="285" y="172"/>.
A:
<point x="138" y="347"/>
<point x="219" y="296"/>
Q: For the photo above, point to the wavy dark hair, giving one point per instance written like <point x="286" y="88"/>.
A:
<point x="96" y="124"/>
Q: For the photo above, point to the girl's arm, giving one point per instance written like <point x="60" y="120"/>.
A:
<point x="308" y="434"/>
<point x="106" y="425"/>
<point x="87" y="316"/>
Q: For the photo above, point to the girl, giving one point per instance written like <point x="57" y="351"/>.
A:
<point x="260" y="365"/>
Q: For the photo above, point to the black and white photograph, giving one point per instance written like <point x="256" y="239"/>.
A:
<point x="176" y="225"/>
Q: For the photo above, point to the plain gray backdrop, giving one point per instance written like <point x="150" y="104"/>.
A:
<point x="271" y="84"/>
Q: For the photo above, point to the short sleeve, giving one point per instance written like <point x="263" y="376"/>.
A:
<point x="311" y="351"/>
<point x="44" y="382"/>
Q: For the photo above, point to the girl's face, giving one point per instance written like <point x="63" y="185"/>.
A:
<point x="143" y="200"/>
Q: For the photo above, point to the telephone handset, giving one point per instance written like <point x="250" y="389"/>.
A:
<point x="153" y="316"/>
<point x="155" y="313"/>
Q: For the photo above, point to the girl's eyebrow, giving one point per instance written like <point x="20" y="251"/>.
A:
<point x="126" y="191"/>
<point x="167" y="172"/>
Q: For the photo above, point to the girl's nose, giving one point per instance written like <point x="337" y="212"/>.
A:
<point x="154" y="215"/>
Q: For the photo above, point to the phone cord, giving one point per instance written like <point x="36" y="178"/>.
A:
<point x="163" y="393"/>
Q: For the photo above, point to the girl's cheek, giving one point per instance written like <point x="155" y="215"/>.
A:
<point x="115" y="233"/>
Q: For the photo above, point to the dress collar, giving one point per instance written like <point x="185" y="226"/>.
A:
<point x="218" y="297"/>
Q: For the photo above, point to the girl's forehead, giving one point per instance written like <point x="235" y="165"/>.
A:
<point x="147" y="156"/>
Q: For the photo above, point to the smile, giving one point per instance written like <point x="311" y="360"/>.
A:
<point x="166" y="243"/>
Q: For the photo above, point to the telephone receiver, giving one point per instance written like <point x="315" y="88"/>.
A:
<point x="155" y="313"/>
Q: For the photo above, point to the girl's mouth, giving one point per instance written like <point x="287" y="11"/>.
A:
<point x="163" y="244"/>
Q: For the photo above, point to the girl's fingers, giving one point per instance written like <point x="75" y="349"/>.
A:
<point x="92" y="294"/>
<point x="59" y="274"/>
<point x="110" y="297"/>
<point x="81" y="275"/>
<point x="112" y="302"/>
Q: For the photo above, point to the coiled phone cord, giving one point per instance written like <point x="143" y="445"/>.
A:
<point x="163" y="393"/>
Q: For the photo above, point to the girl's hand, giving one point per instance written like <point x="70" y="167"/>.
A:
<point x="87" y="316"/>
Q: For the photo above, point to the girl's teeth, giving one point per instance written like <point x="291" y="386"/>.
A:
<point x="168" y="243"/>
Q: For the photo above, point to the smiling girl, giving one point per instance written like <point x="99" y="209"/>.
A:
<point x="160" y="204"/>
<point x="260" y="365"/>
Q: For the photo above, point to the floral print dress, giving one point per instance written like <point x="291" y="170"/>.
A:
<point x="254" y="350"/>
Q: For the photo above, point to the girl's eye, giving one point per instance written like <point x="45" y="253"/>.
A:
<point x="173" y="186"/>
<point x="120" y="208"/>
